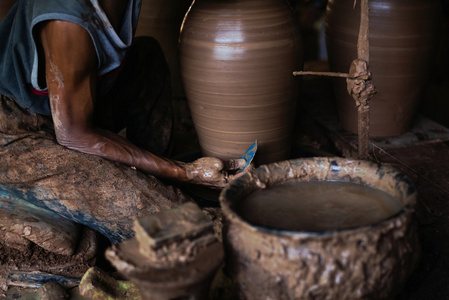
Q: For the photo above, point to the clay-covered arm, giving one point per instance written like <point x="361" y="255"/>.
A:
<point x="71" y="76"/>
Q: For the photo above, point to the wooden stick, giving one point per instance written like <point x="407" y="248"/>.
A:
<point x="363" y="108"/>
<point x="363" y="40"/>
<point x="330" y="74"/>
<point x="358" y="80"/>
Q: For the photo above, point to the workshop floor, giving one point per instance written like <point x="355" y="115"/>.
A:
<point x="426" y="163"/>
<point x="422" y="154"/>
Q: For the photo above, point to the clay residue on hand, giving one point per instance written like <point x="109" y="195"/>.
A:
<point x="214" y="172"/>
<point x="234" y="164"/>
<point x="207" y="171"/>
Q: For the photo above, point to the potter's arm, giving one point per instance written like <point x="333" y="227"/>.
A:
<point x="70" y="65"/>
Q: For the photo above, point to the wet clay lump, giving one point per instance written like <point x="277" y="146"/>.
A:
<point x="174" y="254"/>
<point x="317" y="206"/>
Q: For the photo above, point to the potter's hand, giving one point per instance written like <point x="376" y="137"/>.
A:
<point x="213" y="172"/>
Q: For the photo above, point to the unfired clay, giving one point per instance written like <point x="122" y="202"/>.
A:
<point x="174" y="255"/>
<point x="403" y="37"/>
<point x="237" y="59"/>
<point x="368" y="262"/>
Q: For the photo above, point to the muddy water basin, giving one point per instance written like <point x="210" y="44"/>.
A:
<point x="320" y="228"/>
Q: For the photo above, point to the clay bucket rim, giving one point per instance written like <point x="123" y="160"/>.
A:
<point x="236" y="188"/>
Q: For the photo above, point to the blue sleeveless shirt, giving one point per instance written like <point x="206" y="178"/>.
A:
<point x="19" y="62"/>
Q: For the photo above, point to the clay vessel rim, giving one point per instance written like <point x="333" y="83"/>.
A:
<point x="325" y="232"/>
<point x="230" y="214"/>
<point x="298" y="233"/>
<point x="154" y="274"/>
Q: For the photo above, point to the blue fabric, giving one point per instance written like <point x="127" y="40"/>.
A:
<point x="18" y="55"/>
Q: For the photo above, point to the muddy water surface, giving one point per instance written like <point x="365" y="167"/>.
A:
<point x="318" y="206"/>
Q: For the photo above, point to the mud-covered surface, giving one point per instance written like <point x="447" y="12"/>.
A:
<point x="370" y="262"/>
<point x="360" y="265"/>
<point x="392" y="108"/>
<point x="168" y="239"/>
<point x="41" y="226"/>
<point x="175" y="254"/>
<point x="28" y="257"/>
<point x="32" y="258"/>
<point x="428" y="165"/>
<point x="422" y="154"/>
<point x="429" y="281"/>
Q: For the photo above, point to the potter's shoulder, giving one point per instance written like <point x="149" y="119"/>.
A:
<point x="38" y="10"/>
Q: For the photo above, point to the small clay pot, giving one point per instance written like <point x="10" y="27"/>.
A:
<point x="366" y="262"/>
<point x="237" y="63"/>
<point x="403" y="37"/>
<point x="167" y="280"/>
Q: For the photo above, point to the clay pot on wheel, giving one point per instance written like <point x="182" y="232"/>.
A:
<point x="339" y="253"/>
<point x="237" y="60"/>
<point x="403" y="36"/>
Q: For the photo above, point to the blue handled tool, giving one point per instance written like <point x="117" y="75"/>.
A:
<point x="248" y="156"/>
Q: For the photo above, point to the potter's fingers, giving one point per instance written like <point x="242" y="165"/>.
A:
<point x="249" y="168"/>
<point x="234" y="164"/>
<point x="226" y="177"/>
<point x="234" y="176"/>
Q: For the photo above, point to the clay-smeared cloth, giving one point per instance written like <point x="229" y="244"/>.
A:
<point x="87" y="189"/>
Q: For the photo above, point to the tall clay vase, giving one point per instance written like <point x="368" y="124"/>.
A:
<point x="237" y="59"/>
<point x="403" y="37"/>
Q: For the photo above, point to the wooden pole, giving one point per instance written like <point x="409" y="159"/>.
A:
<point x="314" y="73"/>
<point x="359" y="82"/>
<point x="363" y="109"/>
